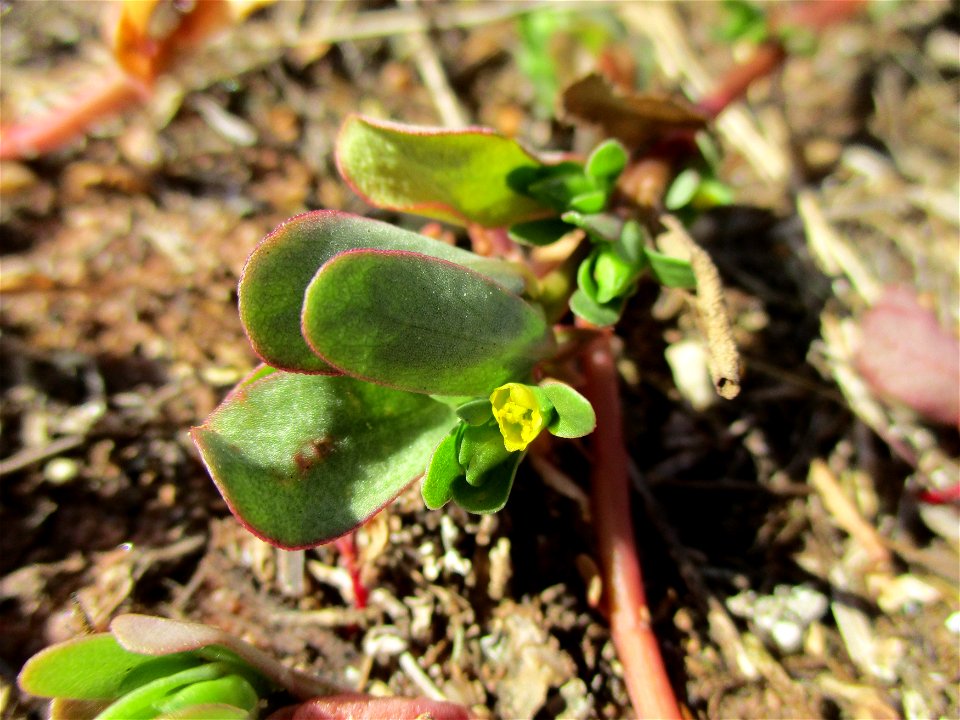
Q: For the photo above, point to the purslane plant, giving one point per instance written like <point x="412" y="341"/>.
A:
<point x="389" y="355"/>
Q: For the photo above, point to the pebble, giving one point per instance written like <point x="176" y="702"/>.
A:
<point x="783" y="617"/>
<point x="140" y="146"/>
<point x="60" y="471"/>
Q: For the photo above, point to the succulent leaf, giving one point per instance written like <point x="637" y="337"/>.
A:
<point x="421" y="324"/>
<point x="279" y="269"/>
<point x="459" y="176"/>
<point x="303" y="459"/>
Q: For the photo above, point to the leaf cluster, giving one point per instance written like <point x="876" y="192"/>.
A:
<point x="96" y="676"/>
<point x="475" y="464"/>
<point x="621" y="250"/>
<point x="375" y="339"/>
<point x="151" y="668"/>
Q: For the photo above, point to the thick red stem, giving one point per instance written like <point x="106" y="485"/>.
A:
<point x="647" y="683"/>
<point x="62" y="125"/>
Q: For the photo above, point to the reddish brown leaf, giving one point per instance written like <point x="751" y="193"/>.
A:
<point x="907" y="356"/>
<point x="636" y="119"/>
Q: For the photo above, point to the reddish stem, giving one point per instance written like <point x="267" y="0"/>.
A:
<point x="347" y="546"/>
<point x="36" y="136"/>
<point x="647" y="683"/>
<point x="765" y="59"/>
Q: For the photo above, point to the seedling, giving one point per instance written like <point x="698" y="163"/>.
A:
<point x="389" y="355"/>
<point x="154" y="668"/>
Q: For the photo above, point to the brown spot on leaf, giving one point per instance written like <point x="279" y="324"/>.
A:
<point x="312" y="453"/>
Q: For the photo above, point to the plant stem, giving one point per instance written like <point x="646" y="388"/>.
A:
<point x="765" y="59"/>
<point x="347" y="547"/>
<point x="647" y="682"/>
<point x="56" y="128"/>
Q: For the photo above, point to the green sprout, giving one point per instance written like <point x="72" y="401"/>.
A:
<point x="151" y="668"/>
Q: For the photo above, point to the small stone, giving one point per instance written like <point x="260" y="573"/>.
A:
<point x="140" y="146"/>
<point x="220" y="376"/>
<point x="60" y="471"/>
<point x="787" y="635"/>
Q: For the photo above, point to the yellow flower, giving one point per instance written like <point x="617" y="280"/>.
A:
<point x="518" y="414"/>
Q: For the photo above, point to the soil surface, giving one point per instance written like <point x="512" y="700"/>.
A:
<point x="792" y="566"/>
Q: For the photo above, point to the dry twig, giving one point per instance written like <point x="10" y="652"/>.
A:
<point x="724" y="359"/>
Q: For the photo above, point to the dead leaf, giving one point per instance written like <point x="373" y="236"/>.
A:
<point x="636" y="119"/>
<point x="906" y="355"/>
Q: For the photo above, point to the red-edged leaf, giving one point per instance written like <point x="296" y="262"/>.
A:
<point x="303" y="459"/>
<point x="280" y="268"/>
<point x="459" y="176"/>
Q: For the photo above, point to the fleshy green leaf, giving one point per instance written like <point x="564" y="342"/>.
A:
<point x="231" y="690"/>
<point x="208" y="711"/>
<point x="161" y="667"/>
<point x="593" y="312"/>
<point x="632" y="244"/>
<point x="613" y="275"/>
<point x="744" y="21"/>
<point x="671" y="271"/>
<point x="151" y="635"/>
<point x="459" y="176"/>
<point x="712" y="193"/>
<point x="539" y="232"/>
<point x="421" y="324"/>
<point x="147" y="700"/>
<point x="475" y="412"/>
<point x="93" y="667"/>
<point x="606" y="161"/>
<point x="586" y="282"/>
<point x="493" y="493"/>
<point x="601" y="226"/>
<point x="682" y="190"/>
<point x="524" y="178"/>
<point x="437" y="488"/>
<point x="303" y="459"/>
<point x="558" y="189"/>
<point x="574" y="413"/>
<point x="283" y="264"/>
<point x="481" y="450"/>
<point x="592" y="201"/>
